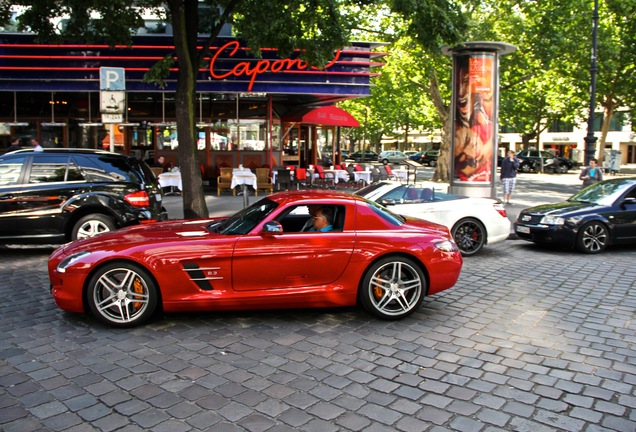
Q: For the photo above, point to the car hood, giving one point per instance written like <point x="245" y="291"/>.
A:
<point x="180" y="230"/>
<point x="564" y="208"/>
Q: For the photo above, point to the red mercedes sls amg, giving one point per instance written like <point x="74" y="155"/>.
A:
<point x="259" y="258"/>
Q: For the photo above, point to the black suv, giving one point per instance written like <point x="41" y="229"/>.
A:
<point x="58" y="195"/>
<point x="530" y="160"/>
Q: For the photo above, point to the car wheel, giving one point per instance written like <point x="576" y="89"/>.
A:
<point x="91" y="225"/>
<point x="432" y="163"/>
<point x="385" y="161"/>
<point x="470" y="236"/>
<point x="122" y="295"/>
<point x="593" y="238"/>
<point x="392" y="288"/>
<point x="526" y="168"/>
<point x="563" y="169"/>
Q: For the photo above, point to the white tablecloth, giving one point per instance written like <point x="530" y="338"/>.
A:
<point x="169" y="179"/>
<point x="243" y="177"/>
<point x="363" y="175"/>
<point x="402" y="173"/>
<point x="338" y="175"/>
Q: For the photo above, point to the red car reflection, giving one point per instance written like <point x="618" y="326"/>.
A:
<point x="259" y="258"/>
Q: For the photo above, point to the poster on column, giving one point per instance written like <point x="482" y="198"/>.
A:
<point x="474" y="127"/>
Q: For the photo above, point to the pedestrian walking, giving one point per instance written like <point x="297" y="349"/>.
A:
<point x="591" y="174"/>
<point x="509" y="167"/>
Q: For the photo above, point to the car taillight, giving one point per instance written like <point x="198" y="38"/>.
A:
<point x="138" y="199"/>
<point x="500" y="209"/>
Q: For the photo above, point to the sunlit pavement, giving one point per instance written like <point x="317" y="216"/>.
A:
<point x="530" y="339"/>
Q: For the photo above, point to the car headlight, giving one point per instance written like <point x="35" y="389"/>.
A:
<point x="552" y="220"/>
<point x="69" y="260"/>
<point x="447" y="246"/>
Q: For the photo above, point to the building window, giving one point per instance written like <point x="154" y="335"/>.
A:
<point x="561" y="126"/>
<point x="619" y="119"/>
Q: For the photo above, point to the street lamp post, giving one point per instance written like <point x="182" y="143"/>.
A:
<point x="590" y="139"/>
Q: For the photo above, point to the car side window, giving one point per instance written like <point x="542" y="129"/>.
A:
<point x="10" y="170"/>
<point x="53" y="168"/>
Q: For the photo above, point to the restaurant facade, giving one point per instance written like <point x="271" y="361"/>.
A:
<point x="252" y="111"/>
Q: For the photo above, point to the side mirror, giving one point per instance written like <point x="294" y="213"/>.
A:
<point x="629" y="201"/>
<point x="272" y="227"/>
<point x="387" y="201"/>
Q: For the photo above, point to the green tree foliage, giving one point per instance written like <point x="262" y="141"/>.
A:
<point x="317" y="26"/>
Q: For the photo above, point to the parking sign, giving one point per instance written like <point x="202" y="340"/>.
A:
<point x="112" y="78"/>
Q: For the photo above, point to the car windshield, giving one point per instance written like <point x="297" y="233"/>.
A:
<point x="603" y="193"/>
<point x="386" y="214"/>
<point x="245" y="220"/>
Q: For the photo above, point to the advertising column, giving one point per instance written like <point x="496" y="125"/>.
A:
<point x="474" y="129"/>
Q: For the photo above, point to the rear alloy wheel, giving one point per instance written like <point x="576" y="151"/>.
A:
<point x="385" y="161"/>
<point x="593" y="238"/>
<point x="526" y="168"/>
<point x="392" y="288"/>
<point x="470" y="236"/>
<point x="122" y="295"/>
<point x="91" y="225"/>
<point x="432" y="163"/>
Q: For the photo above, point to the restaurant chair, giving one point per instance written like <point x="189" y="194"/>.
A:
<point x="324" y="179"/>
<point x="390" y="174"/>
<point x="301" y="177"/>
<point x="263" y="181"/>
<point x="283" y="179"/>
<point x="157" y="170"/>
<point x="224" y="181"/>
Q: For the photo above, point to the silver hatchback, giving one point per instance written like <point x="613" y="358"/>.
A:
<point x="392" y="156"/>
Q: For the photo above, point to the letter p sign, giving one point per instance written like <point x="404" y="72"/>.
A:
<point x="112" y="78"/>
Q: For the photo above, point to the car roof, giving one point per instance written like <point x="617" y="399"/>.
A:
<point x="286" y="197"/>
<point x="68" y="150"/>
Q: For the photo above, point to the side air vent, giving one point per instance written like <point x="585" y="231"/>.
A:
<point x="202" y="275"/>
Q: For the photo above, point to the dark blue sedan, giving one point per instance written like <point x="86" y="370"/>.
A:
<point x="600" y="215"/>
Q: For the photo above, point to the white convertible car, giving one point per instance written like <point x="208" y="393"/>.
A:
<point x="473" y="222"/>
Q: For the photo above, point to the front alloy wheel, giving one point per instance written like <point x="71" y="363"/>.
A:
<point x="392" y="288"/>
<point x="470" y="236"/>
<point x="122" y="295"/>
<point x="593" y="238"/>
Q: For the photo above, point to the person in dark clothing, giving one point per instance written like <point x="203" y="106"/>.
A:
<point x="15" y="144"/>
<point x="509" y="167"/>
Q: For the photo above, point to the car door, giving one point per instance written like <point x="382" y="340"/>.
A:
<point x="293" y="260"/>
<point x="623" y="216"/>
<point x="42" y="196"/>
<point x="11" y="174"/>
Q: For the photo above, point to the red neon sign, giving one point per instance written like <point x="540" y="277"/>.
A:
<point x="245" y="68"/>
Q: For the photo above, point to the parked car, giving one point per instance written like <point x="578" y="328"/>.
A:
<point x="429" y="157"/>
<point x="410" y="153"/>
<point x="259" y="258"/>
<point x="531" y="160"/>
<point x="58" y="195"/>
<point x="392" y="156"/>
<point x="366" y="156"/>
<point x="416" y="156"/>
<point x="473" y="222"/>
<point x="600" y="215"/>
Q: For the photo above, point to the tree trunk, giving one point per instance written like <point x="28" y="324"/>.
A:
<point x="442" y="171"/>
<point x="183" y="15"/>
<point x="609" y="108"/>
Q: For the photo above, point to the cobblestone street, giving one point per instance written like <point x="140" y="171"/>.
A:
<point x="529" y="340"/>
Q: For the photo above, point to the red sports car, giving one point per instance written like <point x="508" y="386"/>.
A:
<point x="260" y="258"/>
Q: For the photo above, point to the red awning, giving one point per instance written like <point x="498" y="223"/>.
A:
<point x="327" y="115"/>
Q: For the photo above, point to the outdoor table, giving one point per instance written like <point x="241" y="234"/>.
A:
<point x="402" y="174"/>
<point x="171" y="180"/>
<point x="362" y="175"/>
<point x="338" y="175"/>
<point x="243" y="177"/>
